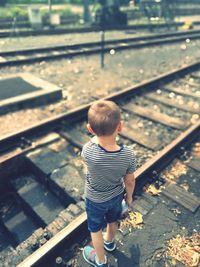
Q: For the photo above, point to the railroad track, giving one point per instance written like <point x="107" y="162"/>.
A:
<point x="49" y="31"/>
<point x="42" y="207"/>
<point x="29" y="56"/>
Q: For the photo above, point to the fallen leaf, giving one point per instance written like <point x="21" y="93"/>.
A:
<point x="134" y="219"/>
<point x="184" y="249"/>
<point x="176" y="211"/>
<point x="185" y="186"/>
<point x="151" y="189"/>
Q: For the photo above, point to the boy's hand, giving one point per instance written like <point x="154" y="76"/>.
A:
<point x="129" y="186"/>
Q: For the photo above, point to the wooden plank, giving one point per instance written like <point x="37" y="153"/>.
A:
<point x="194" y="163"/>
<point x="182" y="197"/>
<point x="140" y="138"/>
<point x="195" y="75"/>
<point x="180" y="91"/>
<point x="142" y="205"/>
<point x="191" y="83"/>
<point x="156" y="116"/>
<point x="75" y="137"/>
<point x="174" y="190"/>
<point x="169" y="102"/>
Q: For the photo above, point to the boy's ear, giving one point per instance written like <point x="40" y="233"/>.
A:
<point x="90" y="129"/>
<point x="119" y="128"/>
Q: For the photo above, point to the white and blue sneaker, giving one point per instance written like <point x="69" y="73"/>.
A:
<point x="89" y="256"/>
<point x="109" y="246"/>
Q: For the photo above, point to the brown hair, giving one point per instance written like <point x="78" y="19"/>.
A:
<point x="103" y="117"/>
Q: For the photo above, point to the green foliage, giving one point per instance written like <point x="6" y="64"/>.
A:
<point x="16" y="11"/>
<point x="79" y="2"/>
<point x="65" y="12"/>
<point x="44" y="14"/>
<point x="76" y="2"/>
<point x="26" y="2"/>
<point x="12" y="12"/>
<point x="21" y="12"/>
<point x="3" y="2"/>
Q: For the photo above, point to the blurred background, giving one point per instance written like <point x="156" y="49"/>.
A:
<point x="40" y="13"/>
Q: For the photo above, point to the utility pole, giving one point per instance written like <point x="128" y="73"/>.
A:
<point x="86" y="14"/>
<point x="50" y="7"/>
<point x="103" y="25"/>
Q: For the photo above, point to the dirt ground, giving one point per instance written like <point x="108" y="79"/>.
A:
<point x="82" y="79"/>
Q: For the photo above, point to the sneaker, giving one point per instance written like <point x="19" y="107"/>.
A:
<point x="109" y="246"/>
<point x="89" y="255"/>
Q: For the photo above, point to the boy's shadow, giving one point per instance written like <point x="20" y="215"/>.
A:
<point x="132" y="261"/>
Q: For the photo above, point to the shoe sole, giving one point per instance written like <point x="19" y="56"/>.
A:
<point x="108" y="249"/>
<point x="88" y="260"/>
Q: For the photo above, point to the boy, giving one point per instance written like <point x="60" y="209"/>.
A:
<point x="110" y="170"/>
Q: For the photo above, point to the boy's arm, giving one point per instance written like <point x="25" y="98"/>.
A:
<point x="129" y="182"/>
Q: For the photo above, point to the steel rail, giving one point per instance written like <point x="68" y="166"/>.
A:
<point x="54" y="123"/>
<point x="56" y="31"/>
<point x="158" y="162"/>
<point x="30" y="32"/>
<point x="91" y="44"/>
<point x="93" y="50"/>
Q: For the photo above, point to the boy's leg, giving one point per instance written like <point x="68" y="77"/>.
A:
<point x="112" y="217"/>
<point x="111" y="231"/>
<point x="97" y="240"/>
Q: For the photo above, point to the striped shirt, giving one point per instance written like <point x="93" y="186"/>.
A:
<point x="106" y="171"/>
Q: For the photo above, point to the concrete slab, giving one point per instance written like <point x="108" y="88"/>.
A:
<point x="15" y="86"/>
<point x="15" y="225"/>
<point x="45" y="161"/>
<point x="19" y="225"/>
<point x="25" y="89"/>
<point x="38" y="199"/>
<point x="67" y="181"/>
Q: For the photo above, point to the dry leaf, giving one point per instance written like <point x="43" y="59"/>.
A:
<point x="176" y="170"/>
<point x="185" y="186"/>
<point x="195" y="259"/>
<point x="176" y="211"/>
<point x="196" y="150"/>
<point x="173" y="262"/>
<point x="133" y="220"/>
<point x="151" y="189"/>
<point x="185" y="249"/>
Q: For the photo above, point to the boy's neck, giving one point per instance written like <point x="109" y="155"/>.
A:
<point x="108" y="142"/>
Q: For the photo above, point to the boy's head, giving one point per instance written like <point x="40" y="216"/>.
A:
<point x="104" y="117"/>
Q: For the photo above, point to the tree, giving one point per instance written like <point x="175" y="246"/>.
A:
<point x="3" y="2"/>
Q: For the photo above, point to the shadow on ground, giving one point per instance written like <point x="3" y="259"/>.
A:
<point x="132" y="261"/>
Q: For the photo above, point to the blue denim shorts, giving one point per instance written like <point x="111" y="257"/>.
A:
<point x="99" y="214"/>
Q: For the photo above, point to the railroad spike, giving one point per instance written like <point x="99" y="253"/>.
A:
<point x="25" y="142"/>
<point x="59" y="262"/>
